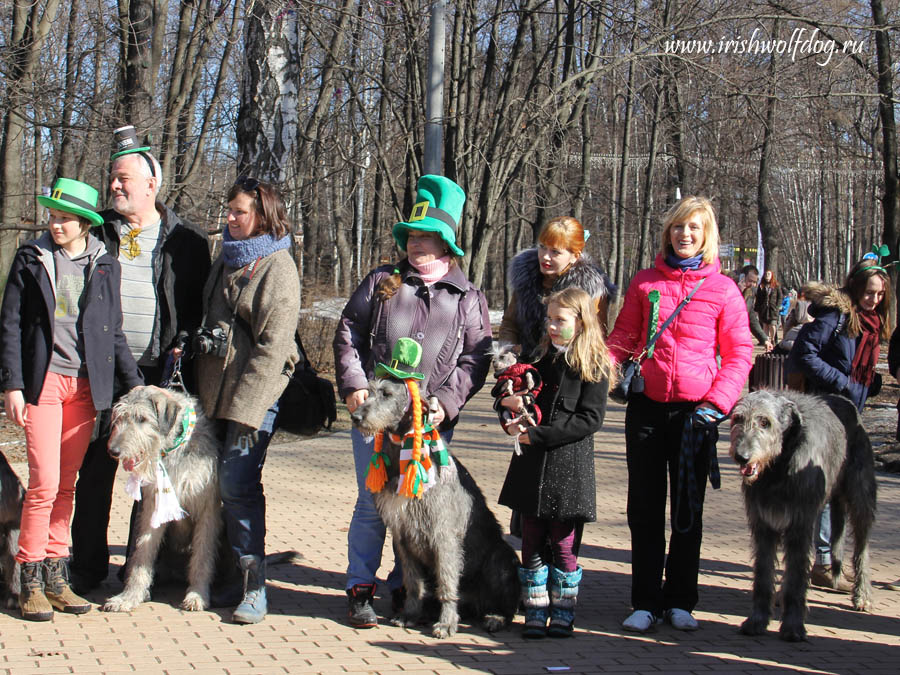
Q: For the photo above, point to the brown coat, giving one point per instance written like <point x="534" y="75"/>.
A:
<point x="261" y="349"/>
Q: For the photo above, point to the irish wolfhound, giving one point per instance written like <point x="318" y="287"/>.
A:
<point x="448" y="541"/>
<point x="797" y="452"/>
<point x="146" y="426"/>
<point x="12" y="496"/>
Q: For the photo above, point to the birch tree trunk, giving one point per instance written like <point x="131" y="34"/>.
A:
<point x="771" y="239"/>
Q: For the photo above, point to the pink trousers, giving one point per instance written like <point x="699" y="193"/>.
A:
<point x="57" y="430"/>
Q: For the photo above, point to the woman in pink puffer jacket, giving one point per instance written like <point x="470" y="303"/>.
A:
<point x="682" y="375"/>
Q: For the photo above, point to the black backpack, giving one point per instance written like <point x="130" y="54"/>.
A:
<point x="308" y="402"/>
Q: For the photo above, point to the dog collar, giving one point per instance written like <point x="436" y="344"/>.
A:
<point x="188" y="422"/>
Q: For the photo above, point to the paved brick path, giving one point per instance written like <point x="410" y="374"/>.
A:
<point x="311" y="492"/>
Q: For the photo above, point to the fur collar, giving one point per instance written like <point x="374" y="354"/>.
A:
<point x="825" y="298"/>
<point x="526" y="281"/>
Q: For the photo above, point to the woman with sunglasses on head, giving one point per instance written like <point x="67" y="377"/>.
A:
<point x="245" y="357"/>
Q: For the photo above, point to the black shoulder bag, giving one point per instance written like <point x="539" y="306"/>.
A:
<point x="630" y="379"/>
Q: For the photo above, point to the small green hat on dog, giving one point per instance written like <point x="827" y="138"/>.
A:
<point x="73" y="196"/>
<point x="405" y="359"/>
<point x="438" y="208"/>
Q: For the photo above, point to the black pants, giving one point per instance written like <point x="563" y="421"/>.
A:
<point x="653" y="445"/>
<point x="93" y="500"/>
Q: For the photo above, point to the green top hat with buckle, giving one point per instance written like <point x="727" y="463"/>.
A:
<point x="126" y="141"/>
<point x="438" y="208"/>
<point x="73" y="196"/>
<point x="405" y="359"/>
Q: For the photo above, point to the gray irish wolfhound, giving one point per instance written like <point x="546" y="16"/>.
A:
<point x="146" y="422"/>
<point x="12" y="496"/>
<point x="796" y="452"/>
<point x="449" y="541"/>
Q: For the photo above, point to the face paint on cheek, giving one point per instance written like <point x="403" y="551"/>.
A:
<point x="567" y="333"/>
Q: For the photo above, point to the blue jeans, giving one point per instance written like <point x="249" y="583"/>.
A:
<point x="823" y="536"/>
<point x="240" y="482"/>
<point x="365" y="540"/>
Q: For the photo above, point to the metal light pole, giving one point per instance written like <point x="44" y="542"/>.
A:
<point x="434" y="95"/>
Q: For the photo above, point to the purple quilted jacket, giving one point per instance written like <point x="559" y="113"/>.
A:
<point x="449" y="319"/>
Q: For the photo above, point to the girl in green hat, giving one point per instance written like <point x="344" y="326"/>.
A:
<point x="62" y="348"/>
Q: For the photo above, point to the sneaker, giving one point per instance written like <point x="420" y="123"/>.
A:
<point x="893" y="585"/>
<point x="681" y="619"/>
<point x="361" y="613"/>
<point x="820" y="576"/>
<point x="640" y="621"/>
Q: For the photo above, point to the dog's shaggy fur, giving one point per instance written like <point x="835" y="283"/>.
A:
<point x="449" y="543"/>
<point x="145" y="423"/>
<point x="12" y="496"/>
<point x="797" y="452"/>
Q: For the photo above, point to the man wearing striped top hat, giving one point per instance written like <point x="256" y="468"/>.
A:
<point x="165" y="261"/>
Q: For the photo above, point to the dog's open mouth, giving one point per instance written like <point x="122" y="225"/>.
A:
<point x="750" y="470"/>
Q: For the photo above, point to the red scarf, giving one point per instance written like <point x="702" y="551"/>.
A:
<point x="866" y="355"/>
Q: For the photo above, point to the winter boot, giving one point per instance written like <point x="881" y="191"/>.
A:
<point x="253" y="605"/>
<point x="536" y="601"/>
<point x="563" y="596"/>
<point x="32" y="601"/>
<point x="361" y="613"/>
<point x="57" y="589"/>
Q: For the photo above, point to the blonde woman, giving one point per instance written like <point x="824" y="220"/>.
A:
<point x="681" y="376"/>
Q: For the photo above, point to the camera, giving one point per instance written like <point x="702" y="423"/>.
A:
<point x="210" y="341"/>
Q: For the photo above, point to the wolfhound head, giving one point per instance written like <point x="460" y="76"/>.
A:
<point x="758" y="424"/>
<point x="145" y="424"/>
<point x="387" y="408"/>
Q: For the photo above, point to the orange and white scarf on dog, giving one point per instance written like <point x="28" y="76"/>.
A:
<point x="420" y="449"/>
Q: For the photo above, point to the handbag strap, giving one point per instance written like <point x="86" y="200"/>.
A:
<point x="681" y="305"/>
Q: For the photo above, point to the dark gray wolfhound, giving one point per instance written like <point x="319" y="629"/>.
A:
<point x="448" y="541"/>
<point x="12" y="496"/>
<point x="797" y="452"/>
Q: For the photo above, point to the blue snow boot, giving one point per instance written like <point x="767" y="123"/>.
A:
<point x="563" y="596"/>
<point x="535" y="600"/>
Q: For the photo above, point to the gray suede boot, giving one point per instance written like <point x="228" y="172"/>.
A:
<point x="253" y="606"/>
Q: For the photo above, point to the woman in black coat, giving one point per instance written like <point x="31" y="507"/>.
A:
<point x="768" y="304"/>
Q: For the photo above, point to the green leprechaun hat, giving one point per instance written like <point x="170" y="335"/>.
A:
<point x="438" y="208"/>
<point x="73" y="196"/>
<point x="126" y="141"/>
<point x="405" y="359"/>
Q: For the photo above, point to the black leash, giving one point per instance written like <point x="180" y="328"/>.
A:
<point x="701" y="433"/>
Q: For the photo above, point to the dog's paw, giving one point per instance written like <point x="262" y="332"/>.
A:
<point x="493" y="622"/>
<point x="755" y="625"/>
<point x="402" y="620"/>
<point x="862" y="602"/>
<point x="444" y="629"/>
<point x="194" y="602"/>
<point x="120" y="603"/>
<point x="792" y="632"/>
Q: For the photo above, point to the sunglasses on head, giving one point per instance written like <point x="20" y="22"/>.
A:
<point x="247" y="184"/>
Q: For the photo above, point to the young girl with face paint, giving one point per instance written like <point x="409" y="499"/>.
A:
<point x="552" y="482"/>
